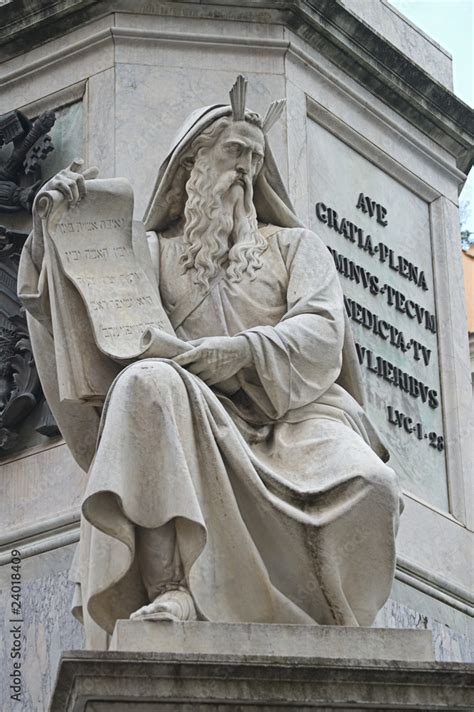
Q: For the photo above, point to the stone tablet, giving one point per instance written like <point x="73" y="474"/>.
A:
<point x="93" y="241"/>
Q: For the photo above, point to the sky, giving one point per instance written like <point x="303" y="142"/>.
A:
<point x="451" y="24"/>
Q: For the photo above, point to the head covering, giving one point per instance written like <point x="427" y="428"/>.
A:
<point x="270" y="197"/>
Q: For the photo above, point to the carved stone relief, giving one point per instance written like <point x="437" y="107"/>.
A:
<point x="27" y="143"/>
<point x="23" y="145"/>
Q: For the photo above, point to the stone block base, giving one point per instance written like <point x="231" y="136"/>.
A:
<point x="207" y="667"/>
<point x="301" y="641"/>
<point x="154" y="682"/>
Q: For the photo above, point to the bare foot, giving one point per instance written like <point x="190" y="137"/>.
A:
<point x="175" y="606"/>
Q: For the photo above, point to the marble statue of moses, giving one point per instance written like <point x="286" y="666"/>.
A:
<point x="242" y="480"/>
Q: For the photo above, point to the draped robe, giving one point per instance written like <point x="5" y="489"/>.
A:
<point x="284" y="510"/>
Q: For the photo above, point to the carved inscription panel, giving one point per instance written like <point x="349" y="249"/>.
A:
<point x="378" y="233"/>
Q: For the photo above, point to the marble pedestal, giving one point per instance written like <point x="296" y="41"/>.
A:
<point x="255" y="639"/>
<point x="213" y="667"/>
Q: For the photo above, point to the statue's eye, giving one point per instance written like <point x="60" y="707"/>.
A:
<point x="234" y="148"/>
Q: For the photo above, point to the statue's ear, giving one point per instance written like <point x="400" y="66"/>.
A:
<point x="187" y="161"/>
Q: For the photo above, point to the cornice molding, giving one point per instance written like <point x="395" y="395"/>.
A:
<point x="369" y="150"/>
<point x="389" y="74"/>
<point x="25" y="24"/>
<point x="40" y="536"/>
<point x="324" y="25"/>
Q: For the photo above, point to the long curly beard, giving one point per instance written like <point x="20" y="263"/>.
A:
<point x="219" y="212"/>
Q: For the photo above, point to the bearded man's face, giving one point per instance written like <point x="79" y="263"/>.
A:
<point x="221" y="222"/>
<point x="239" y="150"/>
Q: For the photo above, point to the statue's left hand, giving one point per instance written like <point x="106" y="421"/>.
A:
<point x="71" y="181"/>
<point x="216" y="358"/>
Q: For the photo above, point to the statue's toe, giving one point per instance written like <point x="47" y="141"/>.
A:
<point x="141" y="612"/>
<point x="175" y="606"/>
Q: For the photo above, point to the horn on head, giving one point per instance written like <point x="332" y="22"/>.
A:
<point x="274" y="112"/>
<point x="238" y="95"/>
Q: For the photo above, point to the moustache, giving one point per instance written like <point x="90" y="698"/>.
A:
<point x="230" y="178"/>
<point x="243" y="180"/>
<point x="246" y="183"/>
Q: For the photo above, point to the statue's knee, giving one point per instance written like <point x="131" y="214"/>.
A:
<point x="150" y="378"/>
<point x="131" y="376"/>
<point x="167" y="378"/>
<point x="384" y="478"/>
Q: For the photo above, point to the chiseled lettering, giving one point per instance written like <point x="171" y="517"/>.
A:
<point x="73" y="255"/>
<point x="399" y="264"/>
<point x="372" y="208"/>
<point x="421" y="349"/>
<point x="410" y="308"/>
<point x="96" y="253"/>
<point x="356" y="273"/>
<point x="321" y="212"/>
<point x="114" y="332"/>
<point x="402" y="266"/>
<point x="119" y="303"/>
<point x="395" y="376"/>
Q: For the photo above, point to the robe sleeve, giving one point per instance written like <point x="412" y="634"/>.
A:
<point x="298" y="359"/>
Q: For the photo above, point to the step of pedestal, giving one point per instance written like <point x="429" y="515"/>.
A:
<point x="118" y="681"/>
<point x="336" y="642"/>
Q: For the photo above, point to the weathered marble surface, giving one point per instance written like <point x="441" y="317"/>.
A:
<point x="390" y="23"/>
<point x="48" y="627"/>
<point x="93" y="239"/>
<point x="406" y="230"/>
<point x="38" y="486"/>
<point x="131" y="682"/>
<point x="449" y="644"/>
<point x="437" y="542"/>
<point x="202" y="638"/>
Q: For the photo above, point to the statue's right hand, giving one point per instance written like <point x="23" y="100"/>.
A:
<point x="71" y="181"/>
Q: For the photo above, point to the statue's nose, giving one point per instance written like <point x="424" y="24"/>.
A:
<point x="243" y="164"/>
